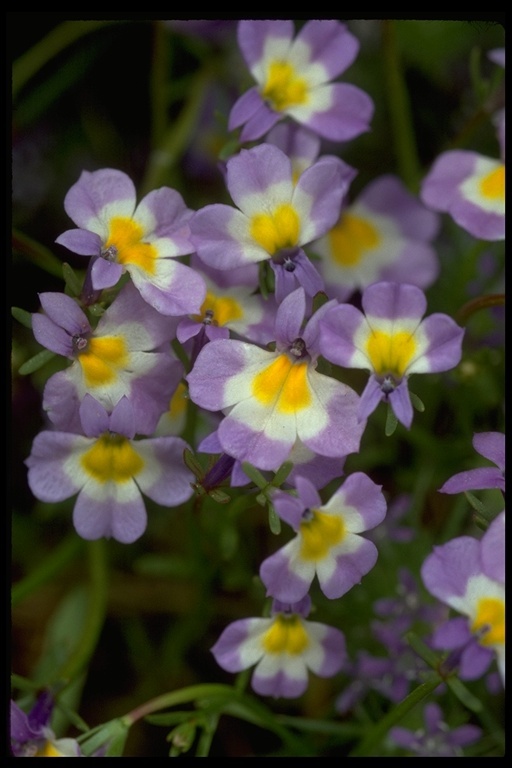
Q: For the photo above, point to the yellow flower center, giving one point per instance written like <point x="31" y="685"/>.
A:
<point x="284" y="88"/>
<point x="222" y="309"/>
<point x="284" y="385"/>
<point x="493" y="184"/>
<point x="125" y="240"/>
<point x="319" y="534"/>
<point x="102" y="359"/>
<point x="112" y="458"/>
<point x="390" y="353"/>
<point x="490" y="613"/>
<point x="286" y="635"/>
<point x="350" y="238"/>
<point x="277" y="230"/>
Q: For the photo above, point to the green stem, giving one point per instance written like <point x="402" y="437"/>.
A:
<point x="93" y="623"/>
<point x="475" y="305"/>
<point x="367" y="746"/>
<point x="49" y="568"/>
<point x="402" y="129"/>
<point x="32" y="61"/>
<point x="178" y="136"/>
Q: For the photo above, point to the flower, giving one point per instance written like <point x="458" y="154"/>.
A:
<point x="32" y="736"/>
<point x="327" y="541"/>
<point x="294" y="76"/>
<point x="385" y="234"/>
<point x="275" y="217"/>
<point x="471" y="188"/>
<point x="469" y="576"/>
<point x="143" y="240"/>
<point x="108" y="469"/>
<point x="283" y="648"/>
<point x="271" y="398"/>
<point x="436" y="739"/>
<point x="391" y="340"/>
<point x="125" y="355"/>
<point x="490" y="445"/>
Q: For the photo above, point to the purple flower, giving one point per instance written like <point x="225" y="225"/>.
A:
<point x="327" y="542"/>
<point x="275" y="217"/>
<point x="471" y="188"/>
<point x="127" y="354"/>
<point x="32" y="736"/>
<point x="108" y="470"/>
<point x="490" y="445"/>
<point x="293" y="77"/>
<point x="436" y="739"/>
<point x="271" y="399"/>
<point x="385" y="234"/>
<point x="283" y="648"/>
<point x="469" y="576"/>
<point x="143" y="240"/>
<point x="392" y="341"/>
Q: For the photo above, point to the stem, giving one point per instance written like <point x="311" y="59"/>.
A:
<point x="33" y="60"/>
<point x="178" y="136"/>
<point x="399" y="109"/>
<point x="475" y="305"/>
<point x="49" y="568"/>
<point x="79" y="659"/>
<point x="377" y="733"/>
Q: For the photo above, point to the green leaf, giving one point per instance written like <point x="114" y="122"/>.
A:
<point x="391" y="422"/>
<point x="71" y="279"/>
<point x="254" y="474"/>
<point x="416" y="402"/>
<point x="273" y="519"/>
<point x="22" y="316"/>
<point x="36" y="362"/>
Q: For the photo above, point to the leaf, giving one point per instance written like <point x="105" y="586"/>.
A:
<point x="22" y="316"/>
<point x="391" y="422"/>
<point x="36" y="362"/>
<point x="273" y="520"/>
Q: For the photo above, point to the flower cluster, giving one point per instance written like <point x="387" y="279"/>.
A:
<point x="240" y="330"/>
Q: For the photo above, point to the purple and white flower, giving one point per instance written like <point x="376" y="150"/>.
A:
<point x="293" y="76"/>
<point x="328" y="543"/>
<point x="275" y="217"/>
<point x="32" y="735"/>
<point x="386" y="234"/>
<point x="284" y="647"/>
<point x="272" y="398"/>
<point x="392" y="341"/>
<point x="127" y="354"/>
<point x="142" y="239"/>
<point x="109" y="471"/>
<point x="470" y="187"/>
<point x="468" y="575"/>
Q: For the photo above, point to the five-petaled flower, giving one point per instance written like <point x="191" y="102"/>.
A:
<point x="143" y="240"/>
<point x="127" y="354"/>
<point x="271" y="398"/>
<point x="108" y="469"/>
<point x="283" y="647"/>
<point x="469" y="575"/>
<point x="437" y="738"/>
<point x="327" y="541"/>
<point x="392" y="341"/>
<point x="294" y="77"/>
<point x="275" y="217"/>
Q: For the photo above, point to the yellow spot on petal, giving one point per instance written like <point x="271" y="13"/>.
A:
<point x="48" y="750"/>
<point x="277" y="230"/>
<point x="351" y="238"/>
<point x="125" y="235"/>
<point x="178" y="401"/>
<point x="112" y="459"/>
<point x="319" y="534"/>
<point x="493" y="184"/>
<point x="286" y="635"/>
<point x="223" y="309"/>
<point x="490" y="613"/>
<point x="283" y="385"/>
<point x="283" y="88"/>
<point x="390" y="353"/>
<point x="102" y="359"/>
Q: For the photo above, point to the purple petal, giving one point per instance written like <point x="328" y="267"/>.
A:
<point x="81" y="241"/>
<point x="394" y="300"/>
<point x="46" y="476"/>
<point x="325" y="184"/>
<point x="93" y="416"/>
<point x="51" y="336"/>
<point x="360" y="492"/>
<point x="492" y="550"/>
<point x="370" y="398"/>
<point x="245" y="108"/>
<point x="446" y="571"/>
<point x="252" y="36"/>
<point x="337" y="330"/>
<point x="254" y="171"/>
<point x="105" y="274"/>
<point x="330" y="44"/>
<point x="87" y="198"/>
<point x="491" y="445"/>
<point x="348" y="117"/>
<point x="400" y="401"/>
<point x="474" y="480"/>
<point x="289" y="317"/>
<point x="444" y="343"/>
<point x="124" y="521"/>
<point x="388" y="196"/>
